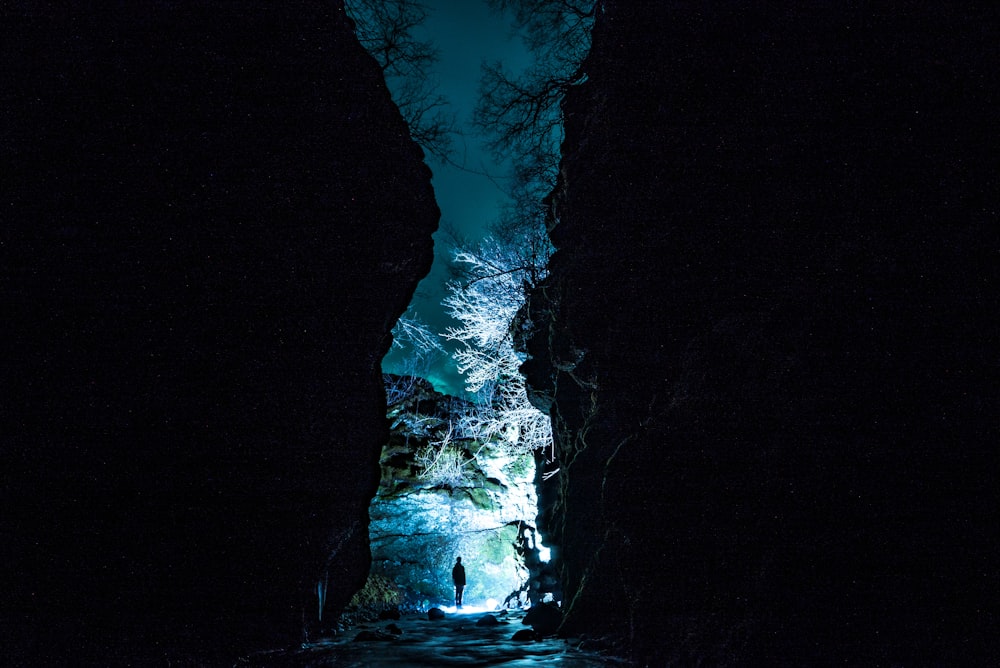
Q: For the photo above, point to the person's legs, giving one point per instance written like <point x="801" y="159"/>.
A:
<point x="458" y="595"/>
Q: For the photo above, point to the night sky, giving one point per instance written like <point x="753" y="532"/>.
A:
<point x="467" y="33"/>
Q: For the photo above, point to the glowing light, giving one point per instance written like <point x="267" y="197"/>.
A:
<point x="489" y="606"/>
<point x="544" y="554"/>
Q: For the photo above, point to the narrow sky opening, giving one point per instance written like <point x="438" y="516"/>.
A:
<point x="469" y="189"/>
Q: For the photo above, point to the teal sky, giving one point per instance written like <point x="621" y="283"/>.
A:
<point x="467" y="33"/>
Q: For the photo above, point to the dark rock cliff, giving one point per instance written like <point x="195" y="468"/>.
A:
<point x="770" y="334"/>
<point x="212" y="216"/>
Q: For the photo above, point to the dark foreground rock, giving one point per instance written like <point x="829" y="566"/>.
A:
<point x="211" y="219"/>
<point x="375" y="636"/>
<point x="544" y="619"/>
<point x="772" y="320"/>
<point x="455" y="641"/>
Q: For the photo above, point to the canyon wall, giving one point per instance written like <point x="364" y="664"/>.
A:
<point x="770" y="335"/>
<point x="212" y="217"/>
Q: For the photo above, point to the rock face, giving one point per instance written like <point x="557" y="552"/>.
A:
<point x="212" y="218"/>
<point x="770" y="335"/>
<point x="423" y="517"/>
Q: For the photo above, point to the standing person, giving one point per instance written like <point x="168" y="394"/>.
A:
<point x="458" y="577"/>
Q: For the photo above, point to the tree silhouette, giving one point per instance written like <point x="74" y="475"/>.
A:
<point x="520" y="113"/>
<point x="386" y="29"/>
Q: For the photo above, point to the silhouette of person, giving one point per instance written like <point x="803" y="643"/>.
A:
<point x="458" y="577"/>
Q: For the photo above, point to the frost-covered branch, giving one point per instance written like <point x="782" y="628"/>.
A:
<point x="421" y="349"/>
<point x="486" y="305"/>
<point x="411" y="332"/>
<point x="443" y="462"/>
<point x="504" y="416"/>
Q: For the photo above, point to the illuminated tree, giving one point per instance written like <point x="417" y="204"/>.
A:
<point x="421" y="349"/>
<point x="413" y="334"/>
<point x="497" y="276"/>
<point x="520" y="115"/>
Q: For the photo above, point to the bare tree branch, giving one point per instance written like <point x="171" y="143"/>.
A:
<point x="521" y="117"/>
<point x="520" y="113"/>
<point x="499" y="273"/>
<point x="421" y="349"/>
<point x="386" y="29"/>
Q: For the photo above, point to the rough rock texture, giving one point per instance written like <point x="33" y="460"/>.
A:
<point x="211" y="219"/>
<point x="421" y="519"/>
<point x="771" y="335"/>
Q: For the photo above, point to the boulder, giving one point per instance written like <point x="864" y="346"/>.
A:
<point x="544" y="618"/>
<point x="376" y="636"/>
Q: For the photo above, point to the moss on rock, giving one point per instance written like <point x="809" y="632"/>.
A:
<point x="480" y="498"/>
<point x="378" y="593"/>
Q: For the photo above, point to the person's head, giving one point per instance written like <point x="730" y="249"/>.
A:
<point x="458" y="560"/>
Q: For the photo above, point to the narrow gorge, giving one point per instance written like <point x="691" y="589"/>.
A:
<point x="767" y="342"/>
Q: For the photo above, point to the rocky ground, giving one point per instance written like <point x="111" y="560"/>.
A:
<point x="414" y="640"/>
